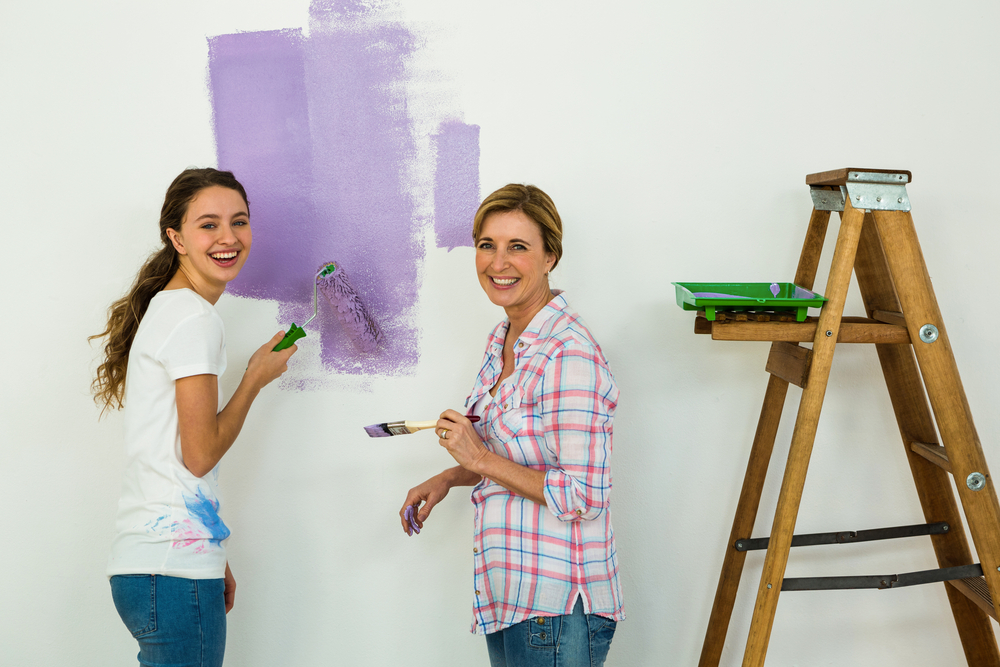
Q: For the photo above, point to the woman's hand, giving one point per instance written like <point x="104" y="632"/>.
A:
<point x="230" y="586"/>
<point x="266" y="365"/>
<point x="412" y="515"/>
<point x="456" y="434"/>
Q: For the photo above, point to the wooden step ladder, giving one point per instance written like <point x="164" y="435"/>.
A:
<point x="877" y="240"/>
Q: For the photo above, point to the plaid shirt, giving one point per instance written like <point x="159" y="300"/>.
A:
<point x="554" y="413"/>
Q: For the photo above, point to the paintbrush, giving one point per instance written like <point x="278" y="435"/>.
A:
<point x="386" y="429"/>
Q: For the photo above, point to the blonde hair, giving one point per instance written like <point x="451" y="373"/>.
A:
<point x="531" y="201"/>
<point x="125" y="314"/>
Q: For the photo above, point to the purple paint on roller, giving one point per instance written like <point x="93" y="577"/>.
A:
<point x="318" y="130"/>
<point x="337" y="289"/>
<point x="456" y="183"/>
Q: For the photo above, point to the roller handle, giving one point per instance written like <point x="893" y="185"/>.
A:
<point x="294" y="333"/>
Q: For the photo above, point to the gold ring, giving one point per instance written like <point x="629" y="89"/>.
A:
<point x="444" y="434"/>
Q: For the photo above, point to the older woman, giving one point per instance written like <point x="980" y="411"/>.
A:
<point x="545" y="584"/>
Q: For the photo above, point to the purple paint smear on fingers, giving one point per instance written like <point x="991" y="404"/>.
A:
<point x="318" y="130"/>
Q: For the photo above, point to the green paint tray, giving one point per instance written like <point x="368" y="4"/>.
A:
<point x="744" y="297"/>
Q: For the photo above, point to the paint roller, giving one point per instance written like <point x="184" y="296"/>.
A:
<point x="332" y="280"/>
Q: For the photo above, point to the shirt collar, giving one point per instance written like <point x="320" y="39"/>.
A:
<point x="539" y="327"/>
<point x="541" y="324"/>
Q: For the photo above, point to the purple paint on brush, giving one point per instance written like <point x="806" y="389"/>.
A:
<point x="318" y="130"/>
<point x="456" y="183"/>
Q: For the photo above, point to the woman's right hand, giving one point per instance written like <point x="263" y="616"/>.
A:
<point x="266" y="365"/>
<point x="422" y="499"/>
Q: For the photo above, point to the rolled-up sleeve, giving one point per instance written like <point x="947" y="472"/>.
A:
<point x="578" y="402"/>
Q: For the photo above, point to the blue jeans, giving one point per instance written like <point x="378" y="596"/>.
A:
<point x="574" y="640"/>
<point x="177" y="622"/>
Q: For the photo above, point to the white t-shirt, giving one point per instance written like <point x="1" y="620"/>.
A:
<point x="168" y="519"/>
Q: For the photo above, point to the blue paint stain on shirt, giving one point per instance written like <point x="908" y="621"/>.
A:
<point x="154" y="525"/>
<point x="206" y="510"/>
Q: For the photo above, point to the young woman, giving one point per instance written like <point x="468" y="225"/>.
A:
<point x="545" y="581"/>
<point x="170" y="578"/>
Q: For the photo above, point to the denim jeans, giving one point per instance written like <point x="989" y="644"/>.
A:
<point x="574" y="640"/>
<point x="177" y="622"/>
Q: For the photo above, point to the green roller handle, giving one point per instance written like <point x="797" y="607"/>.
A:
<point x="295" y="333"/>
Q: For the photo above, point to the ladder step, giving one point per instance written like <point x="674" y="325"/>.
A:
<point x="933" y="453"/>
<point x="852" y="330"/>
<point x="962" y="572"/>
<point x="848" y="536"/>
<point x="889" y="317"/>
<point x="975" y="589"/>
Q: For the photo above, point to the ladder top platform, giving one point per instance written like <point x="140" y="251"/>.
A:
<point x="839" y="176"/>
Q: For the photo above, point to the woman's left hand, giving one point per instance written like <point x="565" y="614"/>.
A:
<point x="456" y="434"/>
<point x="229" y="592"/>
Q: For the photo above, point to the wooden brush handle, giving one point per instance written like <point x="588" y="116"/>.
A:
<point x="413" y="427"/>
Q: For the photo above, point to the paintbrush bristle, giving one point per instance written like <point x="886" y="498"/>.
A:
<point x="388" y="428"/>
<point x="377" y="431"/>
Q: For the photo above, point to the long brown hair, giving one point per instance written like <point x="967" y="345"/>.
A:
<point x="125" y="314"/>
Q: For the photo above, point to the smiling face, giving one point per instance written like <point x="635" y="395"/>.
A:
<point x="513" y="264"/>
<point x="214" y="240"/>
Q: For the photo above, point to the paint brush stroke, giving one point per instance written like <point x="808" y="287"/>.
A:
<point x="317" y="129"/>
<point x="456" y="183"/>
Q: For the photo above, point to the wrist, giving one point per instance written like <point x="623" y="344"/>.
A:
<point x="481" y="462"/>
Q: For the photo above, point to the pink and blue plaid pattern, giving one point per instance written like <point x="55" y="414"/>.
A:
<point x="554" y="413"/>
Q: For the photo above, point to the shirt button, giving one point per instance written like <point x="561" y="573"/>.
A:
<point x="541" y="621"/>
<point x="505" y="405"/>
<point x="579" y="512"/>
<point x="477" y="592"/>
<point x="520" y="344"/>
<point x="475" y="550"/>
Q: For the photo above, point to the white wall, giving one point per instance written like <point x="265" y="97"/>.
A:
<point x="675" y="138"/>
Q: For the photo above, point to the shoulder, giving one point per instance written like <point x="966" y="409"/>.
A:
<point x="177" y="304"/>
<point x="179" y="316"/>
<point x="566" y="331"/>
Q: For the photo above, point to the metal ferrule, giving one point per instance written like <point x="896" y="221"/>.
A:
<point x="397" y="428"/>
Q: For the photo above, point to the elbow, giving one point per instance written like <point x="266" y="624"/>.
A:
<point x="196" y="460"/>
<point x="198" y="468"/>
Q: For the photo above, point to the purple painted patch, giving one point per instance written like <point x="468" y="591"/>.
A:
<point x="456" y="183"/>
<point x="318" y="131"/>
<point x="262" y="135"/>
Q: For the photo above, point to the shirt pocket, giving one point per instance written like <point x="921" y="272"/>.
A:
<point x="511" y="419"/>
